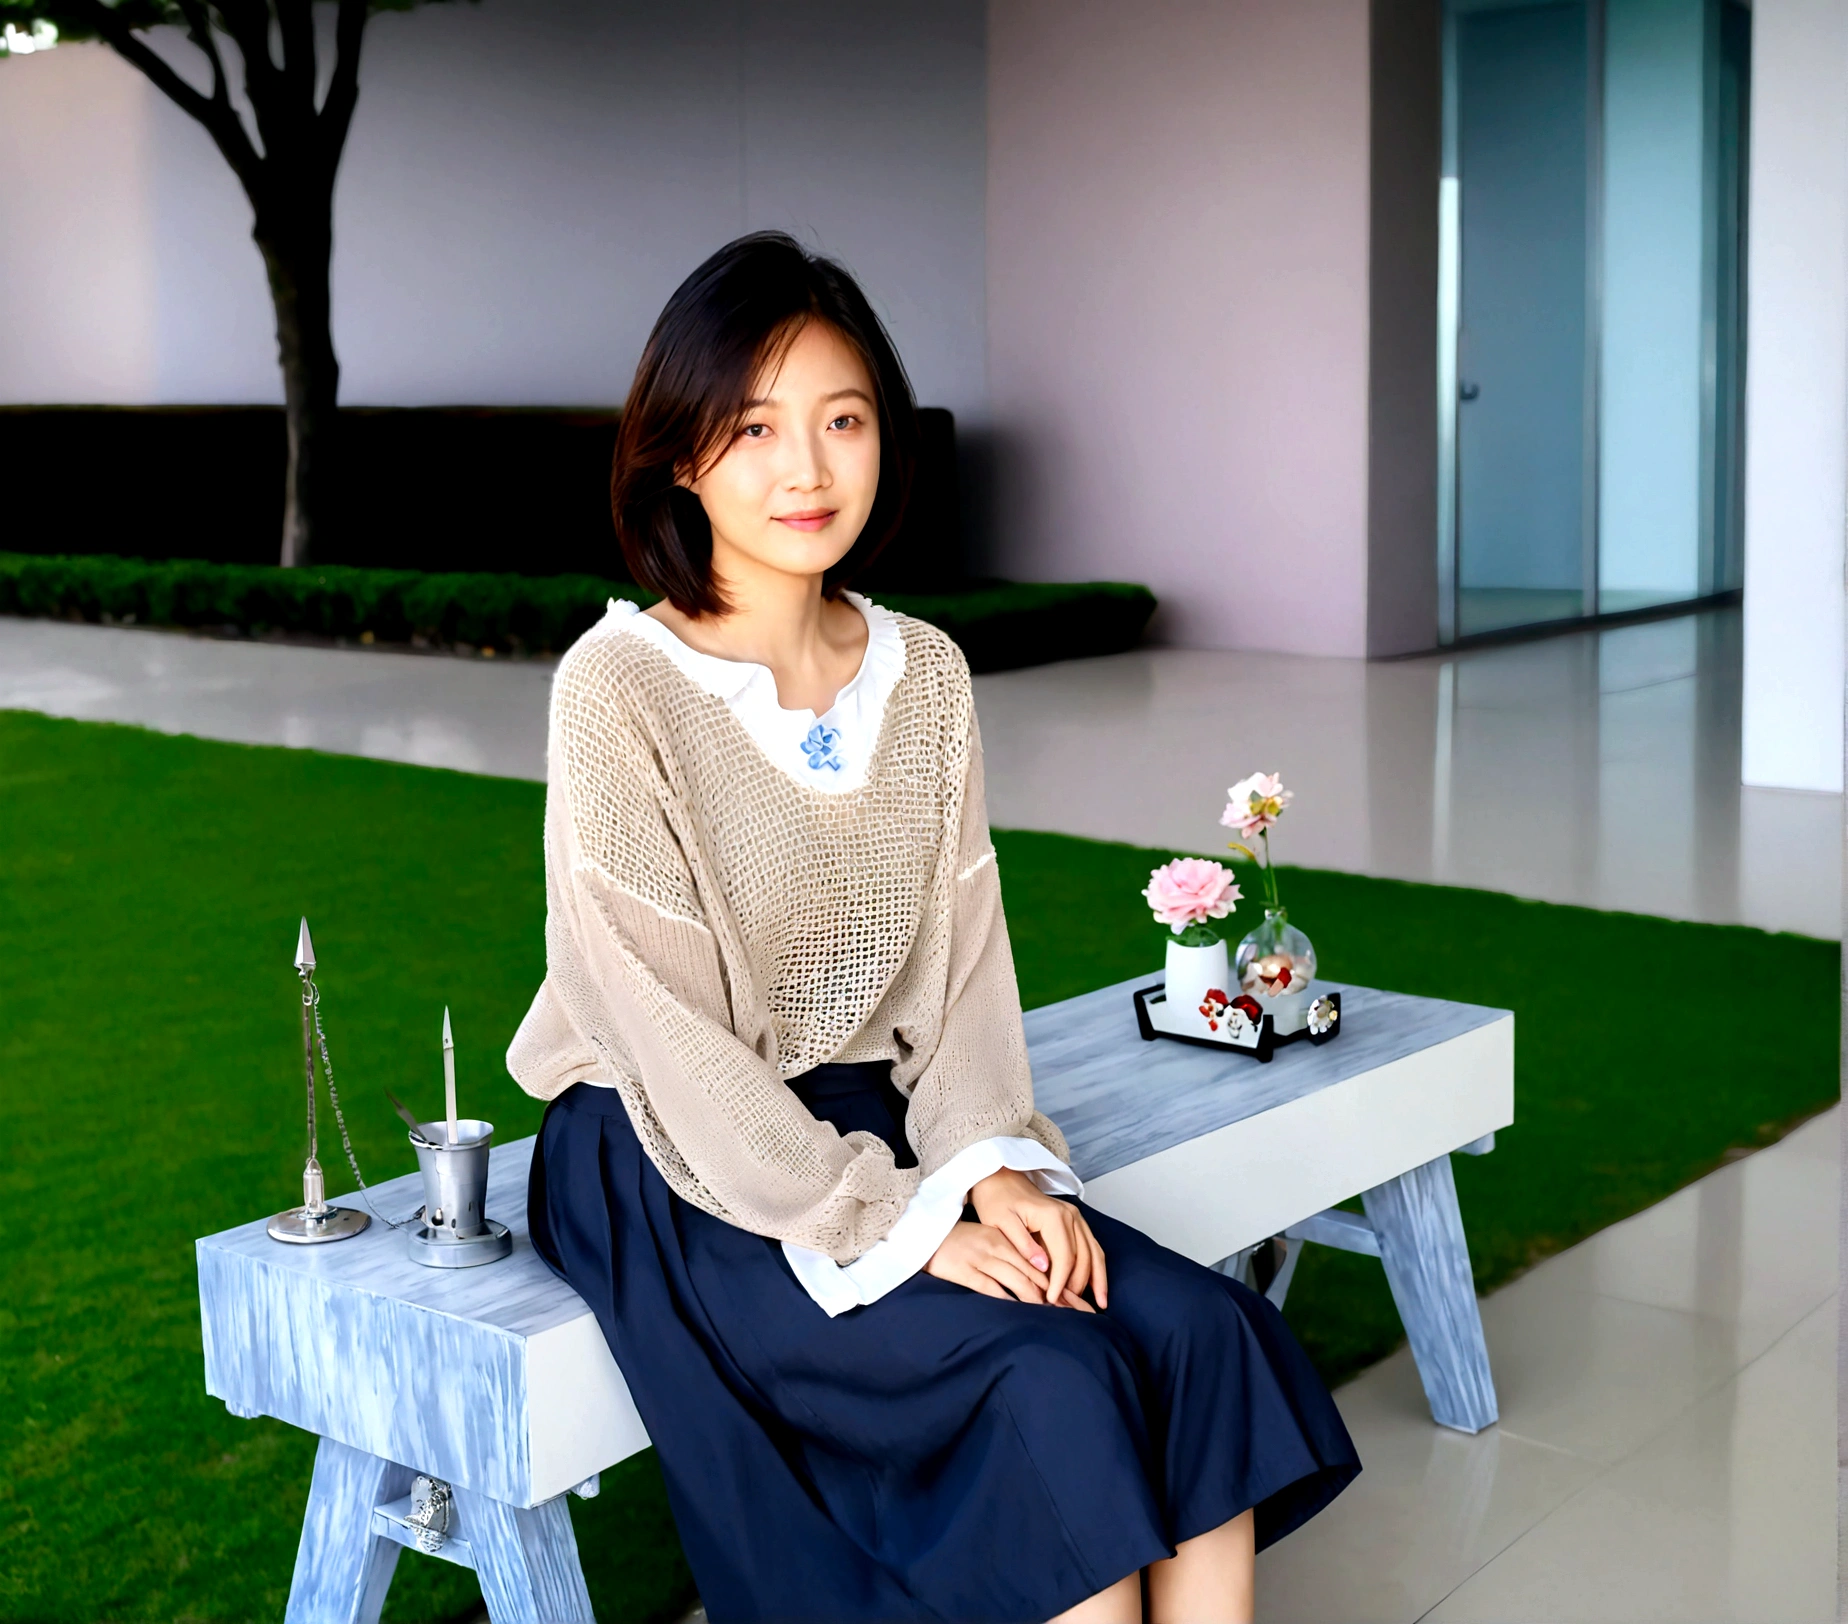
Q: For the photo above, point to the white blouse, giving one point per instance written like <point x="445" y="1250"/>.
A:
<point x="830" y="753"/>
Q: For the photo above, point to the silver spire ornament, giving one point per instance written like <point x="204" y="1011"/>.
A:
<point x="314" y="1220"/>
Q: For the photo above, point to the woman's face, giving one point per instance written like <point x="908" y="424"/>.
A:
<point x="793" y="489"/>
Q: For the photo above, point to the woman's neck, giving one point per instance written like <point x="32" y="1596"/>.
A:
<point x="812" y="645"/>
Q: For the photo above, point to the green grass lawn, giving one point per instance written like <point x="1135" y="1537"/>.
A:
<point x="150" y="1093"/>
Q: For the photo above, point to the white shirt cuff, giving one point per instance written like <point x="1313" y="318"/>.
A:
<point x="924" y="1224"/>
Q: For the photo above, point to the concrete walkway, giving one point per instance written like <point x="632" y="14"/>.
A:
<point x="477" y="716"/>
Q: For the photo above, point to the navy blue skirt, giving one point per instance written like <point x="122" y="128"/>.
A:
<point x="937" y="1454"/>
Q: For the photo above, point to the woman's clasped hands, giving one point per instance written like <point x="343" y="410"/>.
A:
<point x="1027" y="1245"/>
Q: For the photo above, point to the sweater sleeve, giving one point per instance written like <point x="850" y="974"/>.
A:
<point x="933" y="1212"/>
<point x="974" y="1082"/>
<point x="634" y="972"/>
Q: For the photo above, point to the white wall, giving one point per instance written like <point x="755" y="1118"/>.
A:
<point x="77" y="245"/>
<point x="1796" y="474"/>
<point x="525" y="184"/>
<point x="1178" y="308"/>
<point x="1649" y="413"/>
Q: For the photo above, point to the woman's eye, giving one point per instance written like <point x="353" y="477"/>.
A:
<point x="755" y="430"/>
<point x="845" y="421"/>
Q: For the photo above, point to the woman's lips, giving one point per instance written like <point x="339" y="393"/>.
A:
<point x="814" y="519"/>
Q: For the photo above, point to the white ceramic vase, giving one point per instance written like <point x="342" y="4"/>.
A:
<point x="1193" y="972"/>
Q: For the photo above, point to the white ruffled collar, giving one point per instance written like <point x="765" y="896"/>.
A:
<point x="830" y="752"/>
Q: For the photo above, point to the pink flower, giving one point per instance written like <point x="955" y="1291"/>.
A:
<point x="1256" y="804"/>
<point x="1190" y="889"/>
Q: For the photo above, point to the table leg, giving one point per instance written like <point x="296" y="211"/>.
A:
<point x="527" y="1561"/>
<point x="342" y="1569"/>
<point x="1427" y="1265"/>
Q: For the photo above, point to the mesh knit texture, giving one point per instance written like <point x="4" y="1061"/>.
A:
<point x="713" y="927"/>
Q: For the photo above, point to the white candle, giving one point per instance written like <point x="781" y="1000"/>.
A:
<point x="449" y="1075"/>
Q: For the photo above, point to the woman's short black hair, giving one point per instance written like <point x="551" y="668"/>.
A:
<point x="739" y="311"/>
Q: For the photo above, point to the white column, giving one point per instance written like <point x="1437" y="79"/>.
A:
<point x="1796" y="463"/>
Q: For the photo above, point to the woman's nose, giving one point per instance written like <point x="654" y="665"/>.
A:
<point x="807" y="469"/>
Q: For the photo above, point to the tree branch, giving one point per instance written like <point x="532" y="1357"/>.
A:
<point x="285" y="128"/>
<point x="299" y="67"/>
<point x="248" y="24"/>
<point x="199" y="31"/>
<point x="217" y="115"/>
<point x="123" y="41"/>
<point x="343" y="90"/>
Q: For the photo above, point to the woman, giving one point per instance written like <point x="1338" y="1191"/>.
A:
<point x="892" y="1368"/>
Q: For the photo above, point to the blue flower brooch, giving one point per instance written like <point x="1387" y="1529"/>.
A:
<point x="822" y="747"/>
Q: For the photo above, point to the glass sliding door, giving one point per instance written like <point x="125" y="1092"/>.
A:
<point x="1658" y="283"/>
<point x="1523" y="128"/>
<point x="1591" y="307"/>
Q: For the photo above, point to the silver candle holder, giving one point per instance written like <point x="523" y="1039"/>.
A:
<point x="455" y="1231"/>
<point x="314" y="1221"/>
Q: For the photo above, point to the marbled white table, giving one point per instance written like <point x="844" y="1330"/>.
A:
<point x="497" y="1380"/>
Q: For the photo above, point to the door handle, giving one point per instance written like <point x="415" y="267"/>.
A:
<point x="1468" y="391"/>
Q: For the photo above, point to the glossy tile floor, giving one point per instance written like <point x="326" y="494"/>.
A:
<point x="1666" y="1448"/>
<point x="1667" y="1388"/>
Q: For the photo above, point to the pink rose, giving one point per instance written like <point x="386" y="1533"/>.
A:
<point x="1255" y="804"/>
<point x="1190" y="889"/>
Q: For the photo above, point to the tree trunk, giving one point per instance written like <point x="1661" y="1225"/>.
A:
<point x="298" y="254"/>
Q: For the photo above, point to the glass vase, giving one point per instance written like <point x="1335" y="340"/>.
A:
<point x="1276" y="965"/>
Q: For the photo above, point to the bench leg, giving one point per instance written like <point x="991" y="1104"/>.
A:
<point x="1272" y="1282"/>
<point x="342" y="1569"/>
<point x="1427" y="1265"/>
<point x="527" y="1561"/>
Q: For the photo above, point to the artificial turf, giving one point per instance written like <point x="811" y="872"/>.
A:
<point x="150" y="1093"/>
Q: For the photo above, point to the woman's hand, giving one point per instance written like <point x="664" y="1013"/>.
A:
<point x="984" y="1260"/>
<point x="1049" y="1235"/>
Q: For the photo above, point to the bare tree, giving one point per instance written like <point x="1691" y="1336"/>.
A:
<point x="286" y="165"/>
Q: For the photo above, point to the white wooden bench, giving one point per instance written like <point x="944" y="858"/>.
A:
<point x="497" y="1380"/>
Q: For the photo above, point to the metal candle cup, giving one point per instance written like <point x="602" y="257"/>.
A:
<point x="456" y="1233"/>
<point x="455" y="1177"/>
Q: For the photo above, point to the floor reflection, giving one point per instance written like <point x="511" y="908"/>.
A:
<point x="1597" y="767"/>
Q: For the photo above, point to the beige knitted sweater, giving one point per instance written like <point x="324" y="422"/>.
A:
<point x="714" y="926"/>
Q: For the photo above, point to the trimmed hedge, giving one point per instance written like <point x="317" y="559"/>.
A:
<point x="437" y="488"/>
<point x="1000" y="626"/>
<point x="1009" y="624"/>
